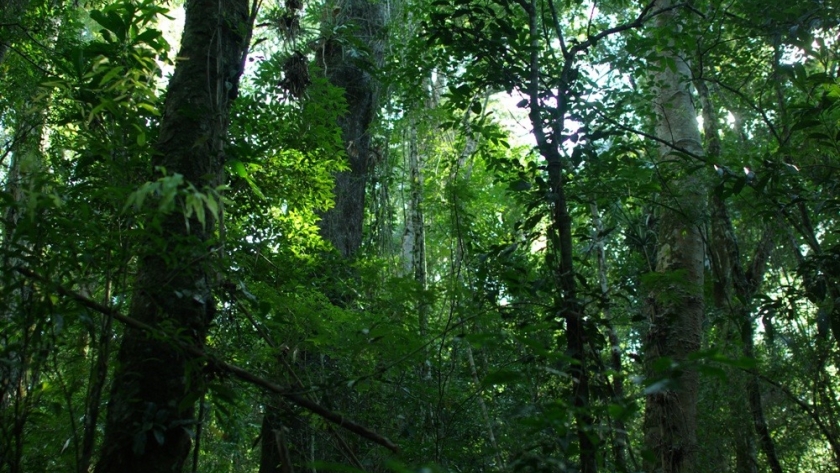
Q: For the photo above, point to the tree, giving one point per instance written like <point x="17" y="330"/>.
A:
<point x="150" y="412"/>
<point x="592" y="278"/>
<point x="351" y="49"/>
<point x="677" y="301"/>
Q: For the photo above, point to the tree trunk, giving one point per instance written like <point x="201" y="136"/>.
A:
<point x="675" y="304"/>
<point x="274" y="444"/>
<point x="150" y="413"/>
<point x="414" y="240"/>
<point x="745" y="284"/>
<point x="620" y="443"/>
<point x="342" y="224"/>
<point x="569" y="308"/>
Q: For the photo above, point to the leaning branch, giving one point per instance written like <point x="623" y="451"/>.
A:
<point x="811" y="411"/>
<point x="220" y="365"/>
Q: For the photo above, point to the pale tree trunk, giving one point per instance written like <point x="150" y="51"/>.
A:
<point x="619" y="429"/>
<point x="414" y="240"/>
<point x="150" y="412"/>
<point x="675" y="304"/>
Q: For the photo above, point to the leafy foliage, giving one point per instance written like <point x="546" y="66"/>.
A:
<point x="467" y="368"/>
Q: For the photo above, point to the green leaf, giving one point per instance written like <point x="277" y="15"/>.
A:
<point x="110" y="75"/>
<point x="520" y="185"/>
<point x="238" y="168"/>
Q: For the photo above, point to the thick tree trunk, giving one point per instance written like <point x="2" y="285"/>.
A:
<point x="342" y="224"/>
<point x="350" y="70"/>
<point x="676" y="305"/>
<point x="150" y="412"/>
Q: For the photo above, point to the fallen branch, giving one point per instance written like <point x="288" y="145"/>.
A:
<point x="220" y="365"/>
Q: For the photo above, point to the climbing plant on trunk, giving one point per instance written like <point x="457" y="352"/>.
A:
<point x="150" y="412"/>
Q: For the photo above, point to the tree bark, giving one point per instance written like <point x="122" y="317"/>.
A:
<point x="150" y="412"/>
<point x="349" y="69"/>
<point x="675" y="304"/>
<point x="342" y="224"/>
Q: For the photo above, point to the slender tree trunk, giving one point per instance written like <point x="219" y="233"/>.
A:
<point x="620" y="431"/>
<point x="414" y="244"/>
<point x="569" y="308"/>
<point x="150" y="413"/>
<point x="98" y="378"/>
<point x="743" y="439"/>
<point x="745" y="283"/>
<point x="676" y="305"/>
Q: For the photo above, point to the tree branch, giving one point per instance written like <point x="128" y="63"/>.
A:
<point x="220" y="365"/>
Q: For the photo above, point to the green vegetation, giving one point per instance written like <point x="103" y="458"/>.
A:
<point x="424" y="235"/>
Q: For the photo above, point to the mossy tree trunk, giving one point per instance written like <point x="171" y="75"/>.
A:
<point x="150" y="412"/>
